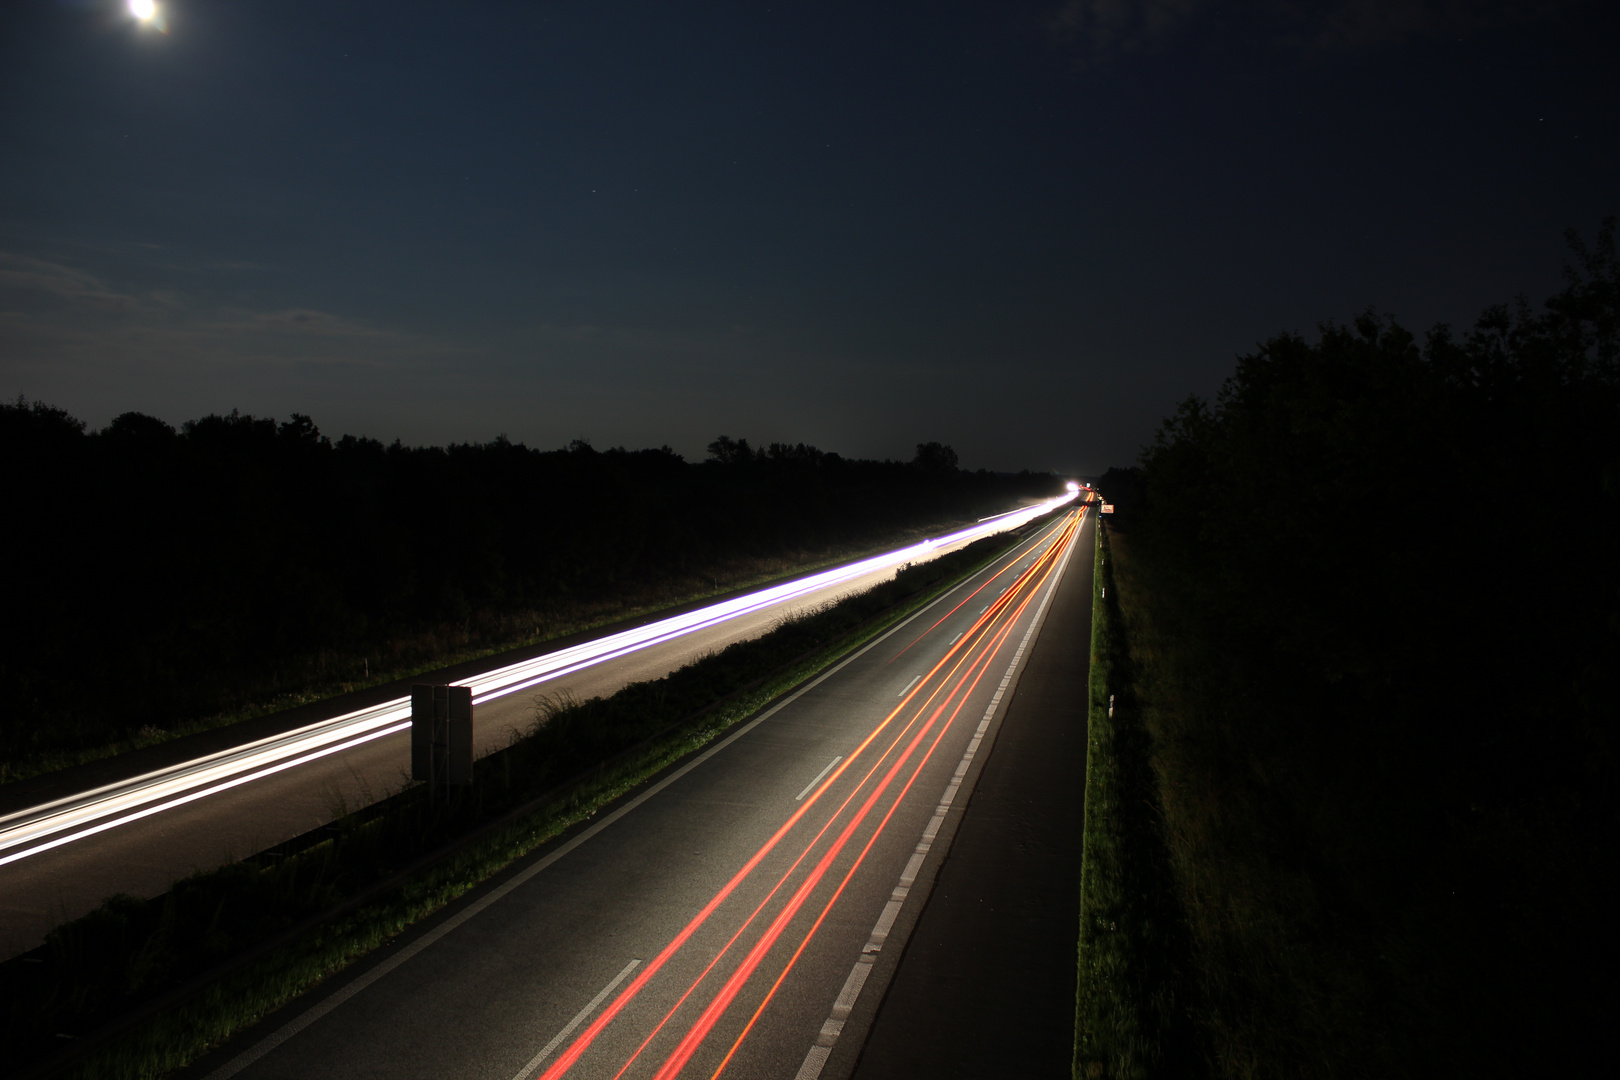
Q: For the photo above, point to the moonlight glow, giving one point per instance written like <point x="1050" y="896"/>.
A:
<point x="142" y="9"/>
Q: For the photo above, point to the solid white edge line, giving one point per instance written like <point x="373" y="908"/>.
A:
<point x="815" y="1059"/>
<point x="315" y="1012"/>
<point x="579" y="1018"/>
<point x="800" y="796"/>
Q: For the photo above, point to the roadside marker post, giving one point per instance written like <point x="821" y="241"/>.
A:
<point x="460" y="736"/>
<point x="442" y="735"/>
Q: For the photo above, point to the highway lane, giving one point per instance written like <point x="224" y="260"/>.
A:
<point x="742" y="913"/>
<point x="1002" y="912"/>
<point x="145" y="856"/>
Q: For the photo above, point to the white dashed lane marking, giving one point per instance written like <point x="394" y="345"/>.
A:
<point x="817" y="780"/>
<point x="583" y="1014"/>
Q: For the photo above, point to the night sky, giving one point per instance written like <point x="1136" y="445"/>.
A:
<point x="1023" y="229"/>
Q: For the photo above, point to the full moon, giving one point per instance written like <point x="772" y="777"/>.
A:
<point x="142" y="9"/>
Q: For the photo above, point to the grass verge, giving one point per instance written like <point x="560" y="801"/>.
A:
<point x="1130" y="1017"/>
<point x="223" y="949"/>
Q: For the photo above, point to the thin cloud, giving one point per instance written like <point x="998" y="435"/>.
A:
<point x="304" y="322"/>
<point x="62" y="317"/>
<point x="25" y="282"/>
<point x="1112" y="26"/>
<point x="1103" y="30"/>
<point x="630" y="341"/>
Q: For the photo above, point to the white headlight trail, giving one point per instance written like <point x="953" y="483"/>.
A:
<point x="63" y="821"/>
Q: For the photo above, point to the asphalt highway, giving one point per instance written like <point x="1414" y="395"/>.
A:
<point x="40" y="889"/>
<point x="741" y="914"/>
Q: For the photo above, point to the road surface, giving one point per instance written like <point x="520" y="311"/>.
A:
<point x="742" y="914"/>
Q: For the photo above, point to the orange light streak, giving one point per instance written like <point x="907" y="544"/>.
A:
<point x="838" y="892"/>
<point x="722" y="1001"/>
<point x="585" y="1039"/>
<point x="856" y="790"/>
<point x="991" y="581"/>
<point x="1051" y="544"/>
<point x="989" y="653"/>
<point x="723" y="998"/>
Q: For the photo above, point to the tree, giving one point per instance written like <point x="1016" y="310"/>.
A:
<point x="729" y="451"/>
<point x="933" y="457"/>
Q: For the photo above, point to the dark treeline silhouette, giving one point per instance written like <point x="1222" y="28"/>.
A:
<point x="160" y="574"/>
<point x="1384" y="586"/>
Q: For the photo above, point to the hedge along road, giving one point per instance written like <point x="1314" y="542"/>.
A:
<point x="742" y="914"/>
<point x="143" y="855"/>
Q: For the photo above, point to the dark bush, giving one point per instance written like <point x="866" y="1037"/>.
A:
<point x="1384" y="576"/>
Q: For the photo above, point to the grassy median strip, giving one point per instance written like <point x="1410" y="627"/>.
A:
<point x="225" y="948"/>
<point x="1130" y="1020"/>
